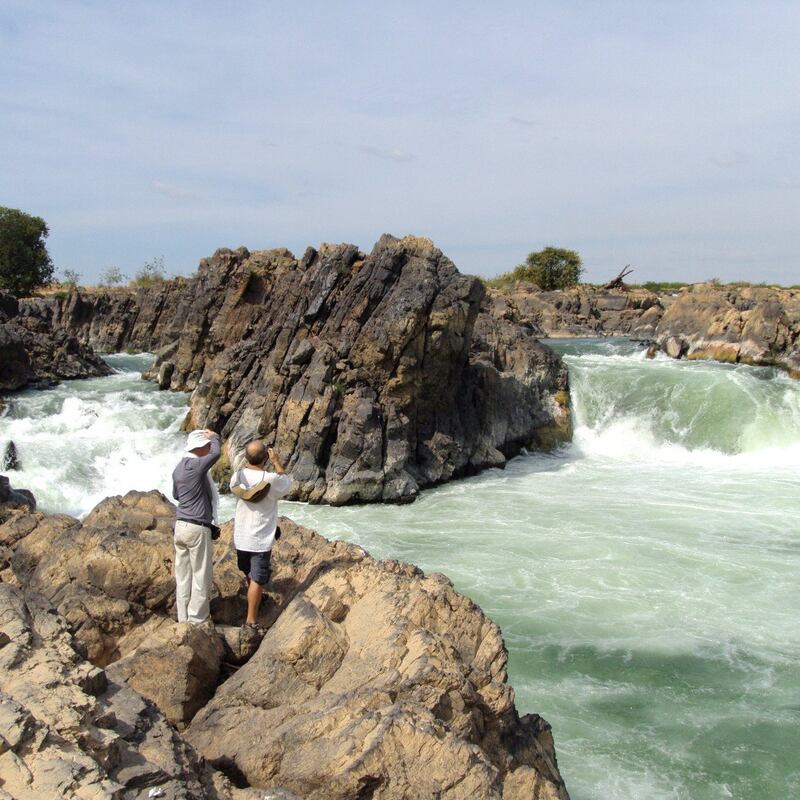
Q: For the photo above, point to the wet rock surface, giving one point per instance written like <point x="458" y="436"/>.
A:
<point x="372" y="680"/>
<point x="364" y="371"/>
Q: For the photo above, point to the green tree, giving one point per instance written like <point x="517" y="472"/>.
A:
<point x="71" y="277"/>
<point x="551" y="268"/>
<point x="25" y="264"/>
<point x="151" y="273"/>
<point x="112" y="276"/>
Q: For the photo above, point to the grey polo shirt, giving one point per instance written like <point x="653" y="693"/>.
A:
<point x="190" y="486"/>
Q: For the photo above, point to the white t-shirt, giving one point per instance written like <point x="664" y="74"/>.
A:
<point x="255" y="522"/>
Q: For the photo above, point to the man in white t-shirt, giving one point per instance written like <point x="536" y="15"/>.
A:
<point x="256" y="521"/>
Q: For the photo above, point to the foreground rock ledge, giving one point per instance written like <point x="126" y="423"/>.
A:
<point x="373" y="680"/>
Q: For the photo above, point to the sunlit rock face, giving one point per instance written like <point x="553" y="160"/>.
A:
<point x="371" y="680"/>
<point x="749" y="324"/>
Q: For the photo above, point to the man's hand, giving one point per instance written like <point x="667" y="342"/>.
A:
<point x="273" y="457"/>
<point x="209" y="434"/>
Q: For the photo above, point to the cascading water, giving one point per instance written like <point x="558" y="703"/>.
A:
<point x="645" y="577"/>
<point x="88" y="439"/>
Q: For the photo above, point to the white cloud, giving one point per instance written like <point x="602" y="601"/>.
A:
<point x="390" y="154"/>
<point x="172" y="191"/>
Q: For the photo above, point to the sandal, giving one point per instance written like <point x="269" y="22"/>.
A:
<point x="256" y="627"/>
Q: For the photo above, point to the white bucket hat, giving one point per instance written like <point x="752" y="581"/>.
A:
<point x="196" y="439"/>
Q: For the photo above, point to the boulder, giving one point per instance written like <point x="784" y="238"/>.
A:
<point x="177" y="668"/>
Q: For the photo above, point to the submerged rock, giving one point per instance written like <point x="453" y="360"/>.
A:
<point x="10" y="457"/>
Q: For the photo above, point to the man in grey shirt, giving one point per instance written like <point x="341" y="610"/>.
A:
<point x="197" y="497"/>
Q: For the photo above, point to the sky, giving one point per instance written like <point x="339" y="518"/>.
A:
<point x="664" y="135"/>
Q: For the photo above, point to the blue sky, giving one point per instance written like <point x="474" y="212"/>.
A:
<point x="660" y="134"/>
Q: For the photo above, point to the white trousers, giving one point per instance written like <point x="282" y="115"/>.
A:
<point x="193" y="571"/>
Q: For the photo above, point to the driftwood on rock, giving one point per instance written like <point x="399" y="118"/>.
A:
<point x="619" y="281"/>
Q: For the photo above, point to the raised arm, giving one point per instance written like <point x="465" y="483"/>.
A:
<point x="273" y="457"/>
<point x="206" y="462"/>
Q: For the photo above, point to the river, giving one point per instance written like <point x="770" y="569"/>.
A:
<point x="645" y="577"/>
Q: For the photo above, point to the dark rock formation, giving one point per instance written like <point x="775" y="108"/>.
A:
<point x="372" y="375"/>
<point x="11" y="499"/>
<point x="10" y="458"/>
<point x="31" y="352"/>
<point x="582" y="310"/>
<point x="372" y="679"/>
<point x="750" y="325"/>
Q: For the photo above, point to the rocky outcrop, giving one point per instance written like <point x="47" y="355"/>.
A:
<point x="373" y="680"/>
<point x="372" y="375"/>
<point x="749" y="325"/>
<point x="69" y="731"/>
<point x="32" y="353"/>
<point x="743" y="324"/>
<point x="581" y="311"/>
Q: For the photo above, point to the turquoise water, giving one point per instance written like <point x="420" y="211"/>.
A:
<point x="645" y="577"/>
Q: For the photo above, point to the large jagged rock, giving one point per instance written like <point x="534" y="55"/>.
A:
<point x="31" y="352"/>
<point x="68" y="731"/>
<point x="580" y="311"/>
<point x="374" y="680"/>
<point x="110" y="574"/>
<point x="750" y="325"/>
<point x="363" y="370"/>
